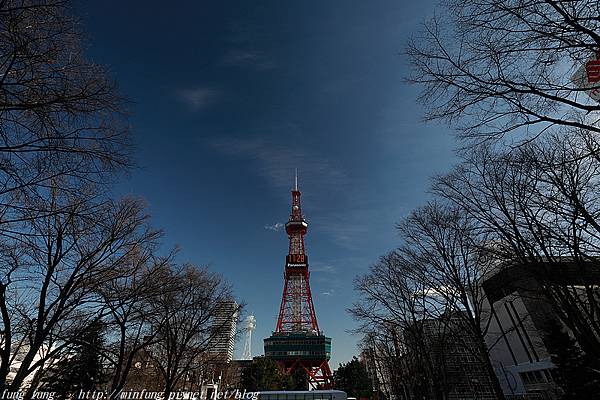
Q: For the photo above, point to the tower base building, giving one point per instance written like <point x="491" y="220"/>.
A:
<point x="300" y="350"/>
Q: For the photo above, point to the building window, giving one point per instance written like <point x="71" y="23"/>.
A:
<point x="535" y="377"/>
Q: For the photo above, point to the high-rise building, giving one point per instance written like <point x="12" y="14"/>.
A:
<point x="297" y="343"/>
<point x="224" y="327"/>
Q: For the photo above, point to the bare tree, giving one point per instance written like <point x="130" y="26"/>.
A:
<point x="128" y="300"/>
<point x="63" y="132"/>
<point x="51" y="269"/>
<point x="394" y="302"/>
<point x="492" y="67"/>
<point x="540" y="202"/>
<point x="192" y="316"/>
<point x="60" y="114"/>
<point x="446" y="250"/>
<point x="66" y="247"/>
<point x="396" y="372"/>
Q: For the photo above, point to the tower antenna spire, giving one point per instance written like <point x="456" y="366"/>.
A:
<point x="296" y="181"/>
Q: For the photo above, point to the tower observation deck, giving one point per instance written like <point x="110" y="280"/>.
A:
<point x="298" y="343"/>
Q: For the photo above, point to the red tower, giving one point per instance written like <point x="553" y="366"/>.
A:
<point x="297" y="342"/>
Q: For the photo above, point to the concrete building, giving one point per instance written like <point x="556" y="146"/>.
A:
<point x="455" y="353"/>
<point x="380" y="367"/>
<point x="433" y="355"/>
<point x="518" y="316"/>
<point x="17" y="358"/>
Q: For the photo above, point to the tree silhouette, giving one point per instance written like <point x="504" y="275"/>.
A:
<point x="264" y="374"/>
<point x="574" y="372"/>
<point x="81" y="368"/>
<point x="353" y="379"/>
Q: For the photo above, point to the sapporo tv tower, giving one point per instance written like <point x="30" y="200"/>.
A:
<point x="297" y="342"/>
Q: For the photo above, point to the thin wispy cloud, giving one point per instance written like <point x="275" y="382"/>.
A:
<point x="274" y="161"/>
<point x="329" y="292"/>
<point x="275" y="227"/>
<point x="325" y="268"/>
<point x="346" y="233"/>
<point x="246" y="58"/>
<point x="198" y="97"/>
<point x="330" y="275"/>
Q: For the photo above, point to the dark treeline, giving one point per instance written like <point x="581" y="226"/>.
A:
<point x="524" y="192"/>
<point x="86" y="294"/>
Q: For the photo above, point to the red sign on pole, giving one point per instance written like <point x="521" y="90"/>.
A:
<point x="592" y="69"/>
<point x="587" y="78"/>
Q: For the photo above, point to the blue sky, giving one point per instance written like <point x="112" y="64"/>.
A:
<point x="227" y="98"/>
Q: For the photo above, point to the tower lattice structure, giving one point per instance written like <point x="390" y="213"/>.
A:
<point x="298" y="343"/>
